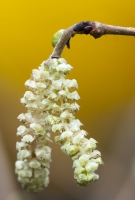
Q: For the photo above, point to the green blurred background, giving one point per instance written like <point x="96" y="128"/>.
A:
<point x="105" y="71"/>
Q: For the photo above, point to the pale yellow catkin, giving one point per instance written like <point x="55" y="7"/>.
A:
<point x="51" y="104"/>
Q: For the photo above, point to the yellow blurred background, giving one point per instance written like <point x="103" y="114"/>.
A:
<point x="105" y="71"/>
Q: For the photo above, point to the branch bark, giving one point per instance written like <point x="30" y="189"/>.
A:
<point x="96" y="29"/>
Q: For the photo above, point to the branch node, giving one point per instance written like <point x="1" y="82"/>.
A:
<point x="96" y="29"/>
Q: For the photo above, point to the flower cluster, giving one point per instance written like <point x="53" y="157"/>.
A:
<point x="51" y="107"/>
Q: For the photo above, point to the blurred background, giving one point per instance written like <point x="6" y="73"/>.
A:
<point x="105" y="71"/>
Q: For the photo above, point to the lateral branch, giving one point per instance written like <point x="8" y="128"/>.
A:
<point x="95" y="29"/>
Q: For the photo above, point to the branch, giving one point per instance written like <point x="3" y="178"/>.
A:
<point x="96" y="29"/>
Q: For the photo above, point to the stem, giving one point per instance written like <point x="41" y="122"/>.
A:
<point x="96" y="29"/>
<point x="68" y="33"/>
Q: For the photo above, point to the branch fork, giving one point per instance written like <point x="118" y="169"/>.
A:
<point x="95" y="29"/>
